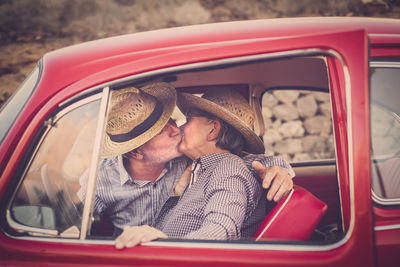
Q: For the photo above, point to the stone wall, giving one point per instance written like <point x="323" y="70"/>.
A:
<point x="298" y="125"/>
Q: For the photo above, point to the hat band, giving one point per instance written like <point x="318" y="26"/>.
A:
<point x="141" y="128"/>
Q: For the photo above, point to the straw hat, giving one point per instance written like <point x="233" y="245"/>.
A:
<point x="136" y="116"/>
<point x="229" y="106"/>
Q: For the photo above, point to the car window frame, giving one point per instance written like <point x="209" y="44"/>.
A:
<point x="41" y="135"/>
<point x="240" y="60"/>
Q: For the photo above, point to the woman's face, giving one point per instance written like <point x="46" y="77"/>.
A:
<point x="194" y="136"/>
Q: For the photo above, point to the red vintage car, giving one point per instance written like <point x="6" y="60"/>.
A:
<point x="326" y="95"/>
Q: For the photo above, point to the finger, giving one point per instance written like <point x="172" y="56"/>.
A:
<point x="285" y="185"/>
<point x="260" y="169"/>
<point x="280" y="193"/>
<point x="270" y="176"/>
<point x="268" y="179"/>
<point x="121" y="239"/>
<point x="183" y="182"/>
<point x="274" y="188"/>
<point x="152" y="235"/>
<point x="142" y="234"/>
<point x="284" y="190"/>
<point x="264" y="173"/>
<point x="134" y="240"/>
<point x="130" y="237"/>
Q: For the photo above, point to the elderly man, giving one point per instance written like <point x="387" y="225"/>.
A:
<point x="142" y="165"/>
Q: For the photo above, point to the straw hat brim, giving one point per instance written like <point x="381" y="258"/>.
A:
<point x="166" y="94"/>
<point x="188" y="101"/>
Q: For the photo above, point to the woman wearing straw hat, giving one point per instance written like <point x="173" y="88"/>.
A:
<point x="223" y="199"/>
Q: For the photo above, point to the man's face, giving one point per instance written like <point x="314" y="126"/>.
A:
<point x="164" y="146"/>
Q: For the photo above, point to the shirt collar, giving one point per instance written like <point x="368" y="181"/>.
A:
<point x="123" y="174"/>
<point x="210" y="160"/>
<point x="205" y="163"/>
<point x="125" y="177"/>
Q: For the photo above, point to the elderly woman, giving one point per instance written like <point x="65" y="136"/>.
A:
<point x="223" y="200"/>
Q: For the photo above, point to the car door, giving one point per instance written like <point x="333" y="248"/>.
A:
<point x="50" y="240"/>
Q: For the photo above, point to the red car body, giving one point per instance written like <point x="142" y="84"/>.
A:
<point x="371" y="231"/>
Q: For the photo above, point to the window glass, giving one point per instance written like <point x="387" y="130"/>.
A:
<point x="298" y="125"/>
<point x="47" y="198"/>
<point x="385" y="132"/>
<point x="9" y="112"/>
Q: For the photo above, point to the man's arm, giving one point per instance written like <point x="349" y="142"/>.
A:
<point x="276" y="174"/>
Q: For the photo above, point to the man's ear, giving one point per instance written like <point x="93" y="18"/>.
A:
<point x="135" y="154"/>
<point x="216" y="128"/>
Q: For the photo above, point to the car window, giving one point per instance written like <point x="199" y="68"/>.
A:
<point x="298" y="125"/>
<point x="46" y="201"/>
<point x="9" y="112"/>
<point x="385" y="131"/>
<point x="310" y="125"/>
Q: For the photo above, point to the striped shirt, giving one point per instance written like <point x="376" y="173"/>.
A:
<point x="125" y="201"/>
<point x="222" y="201"/>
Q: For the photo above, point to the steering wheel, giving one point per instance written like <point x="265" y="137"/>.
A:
<point x="63" y="199"/>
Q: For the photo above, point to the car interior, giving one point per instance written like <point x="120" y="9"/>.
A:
<point x="277" y="88"/>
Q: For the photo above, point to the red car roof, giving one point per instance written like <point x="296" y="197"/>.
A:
<point x="70" y="64"/>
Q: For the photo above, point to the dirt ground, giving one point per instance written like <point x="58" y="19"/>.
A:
<point x="29" y="29"/>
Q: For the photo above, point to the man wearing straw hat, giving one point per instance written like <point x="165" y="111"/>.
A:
<point x="223" y="199"/>
<point x="142" y="165"/>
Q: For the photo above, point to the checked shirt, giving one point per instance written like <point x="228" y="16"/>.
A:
<point x="222" y="201"/>
<point x="125" y="201"/>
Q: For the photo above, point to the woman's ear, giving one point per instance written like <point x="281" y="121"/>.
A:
<point x="216" y="128"/>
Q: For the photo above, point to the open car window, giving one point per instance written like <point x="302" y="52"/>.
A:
<point x="298" y="124"/>
<point x="300" y="83"/>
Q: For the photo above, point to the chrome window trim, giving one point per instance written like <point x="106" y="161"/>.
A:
<point x="384" y="201"/>
<point x="334" y="138"/>
<point x="377" y="199"/>
<point x="384" y="64"/>
<point x="76" y="105"/>
<point x="252" y="246"/>
<point x="97" y="147"/>
<point x="387" y="227"/>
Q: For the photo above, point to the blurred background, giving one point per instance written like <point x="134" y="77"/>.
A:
<point x="31" y="28"/>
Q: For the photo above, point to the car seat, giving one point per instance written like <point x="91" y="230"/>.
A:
<point x="294" y="218"/>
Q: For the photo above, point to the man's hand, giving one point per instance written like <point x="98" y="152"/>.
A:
<point x="183" y="181"/>
<point x="135" y="235"/>
<point x="281" y="181"/>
